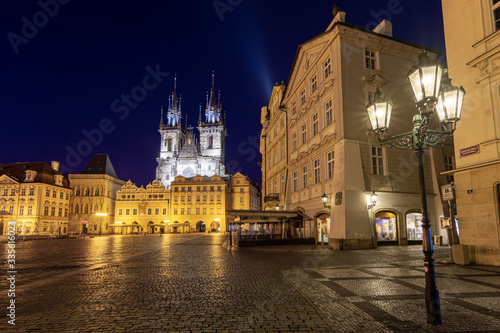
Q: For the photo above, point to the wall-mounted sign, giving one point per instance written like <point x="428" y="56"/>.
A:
<point x="445" y="223"/>
<point x="447" y="192"/>
<point x="469" y="151"/>
<point x="338" y="198"/>
<point x="85" y="221"/>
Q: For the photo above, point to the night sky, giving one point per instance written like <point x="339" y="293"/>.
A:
<point x="64" y="78"/>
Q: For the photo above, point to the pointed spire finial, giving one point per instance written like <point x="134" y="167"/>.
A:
<point x="161" y="117"/>
<point x="213" y="77"/>
<point x="199" y="116"/>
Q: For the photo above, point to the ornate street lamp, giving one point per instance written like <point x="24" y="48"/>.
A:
<point x="324" y="200"/>
<point x="425" y="79"/>
<point x="372" y="200"/>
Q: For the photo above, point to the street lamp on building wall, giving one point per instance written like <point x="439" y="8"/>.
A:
<point x="100" y="221"/>
<point x="426" y="79"/>
<point x="324" y="199"/>
<point x="371" y="200"/>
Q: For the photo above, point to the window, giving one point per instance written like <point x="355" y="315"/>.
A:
<point x="329" y="164"/>
<point x="378" y="160"/>
<point x="496" y="14"/>
<point x="370" y="59"/>
<point x="315" y="124"/>
<point x="211" y="198"/>
<point x="275" y="157"/>
<point x="282" y="183"/>
<point x="5" y="191"/>
<point x="189" y="198"/>
<point x="61" y="195"/>
<point x="328" y="113"/>
<point x="197" y="198"/>
<point x="294" y="108"/>
<point x="96" y="208"/>
<point x="127" y="211"/>
<point x="60" y="212"/>
<point x="242" y="190"/>
<point x="282" y="123"/>
<point x="175" y="211"/>
<point x="448" y="165"/>
<point x="120" y="211"/>
<point x="176" y="198"/>
<point x="189" y="188"/>
<point x="30" y="210"/>
<point x="65" y="212"/>
<point x="211" y="210"/>
<point x="149" y="211"/>
<point x="23" y="192"/>
<point x="157" y="211"/>
<point x="316" y="171"/>
<point x="54" y="194"/>
<point x="197" y="210"/>
<point x="294" y="141"/>
<point x="314" y="84"/>
<point x="275" y="185"/>
<point x="182" y="198"/>
<point x="67" y="196"/>
<point x="218" y="198"/>
<point x="294" y="174"/>
<point x="21" y="210"/>
<point x="304" y="176"/>
<point x="169" y="144"/>
<point x="134" y="211"/>
<point x="164" y="211"/>
<point x="219" y="188"/>
<point x="210" y="142"/>
<point x="189" y="210"/>
<point x="53" y="211"/>
<point x="87" y="192"/>
<point x="11" y="210"/>
<point x="46" y="210"/>
<point x="204" y="198"/>
<point x="326" y="68"/>
<point x="13" y="191"/>
<point x="282" y="150"/>
<point x="303" y="130"/>
<point x="86" y="209"/>
<point x="47" y="192"/>
<point x="303" y="97"/>
<point x="204" y="210"/>
<point x="218" y="210"/>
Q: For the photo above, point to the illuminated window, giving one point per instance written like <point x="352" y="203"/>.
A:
<point x="197" y="210"/>
<point x="53" y="211"/>
<point x="46" y="210"/>
<point x="326" y="68"/>
<point x="61" y="195"/>
<point x="60" y="211"/>
<point x="377" y="160"/>
<point x="182" y="198"/>
<point x="204" y="198"/>
<point x="54" y="194"/>
<point x="47" y="192"/>
<point x="218" y="198"/>
<point x="218" y="210"/>
<point x="13" y="191"/>
<point x="204" y="210"/>
<point x="164" y="211"/>
<point x="316" y="171"/>
<point x="21" y="210"/>
<point x="157" y="211"/>
<point x="176" y="198"/>
<point x="175" y="211"/>
<point x="189" y="198"/>
<point x="5" y="191"/>
<point x="211" y="198"/>
<point x="23" y="192"/>
<point x="134" y="211"/>
<point x="329" y="164"/>
<point x="197" y="198"/>
<point x="370" y="59"/>
<point x="127" y="211"/>
<point x="314" y="84"/>
<point x="30" y="210"/>
<point x="189" y="210"/>
<point x="315" y="124"/>
<point x="328" y="113"/>
<point x="304" y="176"/>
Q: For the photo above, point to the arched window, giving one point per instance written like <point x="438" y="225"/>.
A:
<point x="87" y="192"/>
<point x="77" y="191"/>
<point x="169" y="144"/>
<point x="96" y="191"/>
<point x="210" y="141"/>
<point x="77" y="209"/>
<point x="86" y="211"/>
<point x="96" y="208"/>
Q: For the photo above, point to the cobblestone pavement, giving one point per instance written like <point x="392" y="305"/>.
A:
<point x="194" y="283"/>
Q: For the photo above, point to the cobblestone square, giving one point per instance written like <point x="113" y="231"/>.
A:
<point x="196" y="283"/>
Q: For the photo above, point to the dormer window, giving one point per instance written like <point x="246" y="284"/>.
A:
<point x="58" y="179"/>
<point x="30" y="176"/>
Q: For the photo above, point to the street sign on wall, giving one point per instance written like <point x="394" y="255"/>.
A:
<point x="447" y="192"/>
<point x="469" y="151"/>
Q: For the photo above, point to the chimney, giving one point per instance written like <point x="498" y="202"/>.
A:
<point x="55" y="165"/>
<point x="384" y="28"/>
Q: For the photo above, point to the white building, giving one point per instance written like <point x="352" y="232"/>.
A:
<point x="181" y="153"/>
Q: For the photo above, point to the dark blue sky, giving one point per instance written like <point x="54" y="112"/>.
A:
<point x="70" y="69"/>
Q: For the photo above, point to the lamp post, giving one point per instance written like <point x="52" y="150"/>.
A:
<point x="100" y="221"/>
<point x="426" y="79"/>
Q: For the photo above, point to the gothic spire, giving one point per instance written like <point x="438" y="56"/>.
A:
<point x="199" y="116"/>
<point x="161" y="117"/>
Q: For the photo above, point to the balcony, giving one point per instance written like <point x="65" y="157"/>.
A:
<point x="272" y="197"/>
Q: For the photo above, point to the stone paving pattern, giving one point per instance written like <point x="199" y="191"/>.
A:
<point x="195" y="283"/>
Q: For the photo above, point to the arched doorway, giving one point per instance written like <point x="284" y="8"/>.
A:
<point x="200" y="226"/>
<point x="413" y="222"/>
<point x="322" y="228"/>
<point x="151" y="227"/>
<point x="135" y="227"/>
<point x="175" y="227"/>
<point x="386" y="227"/>
<point x="215" y="227"/>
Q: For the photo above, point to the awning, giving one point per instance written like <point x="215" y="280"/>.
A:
<point x="265" y="216"/>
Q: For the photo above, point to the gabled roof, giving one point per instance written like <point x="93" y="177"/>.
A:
<point x="44" y="172"/>
<point x="100" y="165"/>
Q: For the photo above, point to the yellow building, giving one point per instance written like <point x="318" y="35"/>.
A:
<point x="199" y="203"/>
<point x="141" y="210"/>
<point x="93" y="198"/>
<point x="472" y="35"/>
<point x="244" y="193"/>
<point x="36" y="196"/>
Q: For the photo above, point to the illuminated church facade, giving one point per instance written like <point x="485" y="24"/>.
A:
<point x="181" y="153"/>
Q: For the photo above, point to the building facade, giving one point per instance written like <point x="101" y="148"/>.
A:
<point x="316" y="140"/>
<point x="36" y="196"/>
<point x="92" y="204"/>
<point x="181" y="153"/>
<point x="473" y="54"/>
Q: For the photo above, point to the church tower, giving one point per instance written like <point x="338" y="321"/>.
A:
<point x="172" y="139"/>
<point x="212" y="135"/>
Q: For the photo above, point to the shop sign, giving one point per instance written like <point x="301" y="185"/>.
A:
<point x="469" y="151"/>
<point x="85" y="221"/>
<point x="445" y="223"/>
